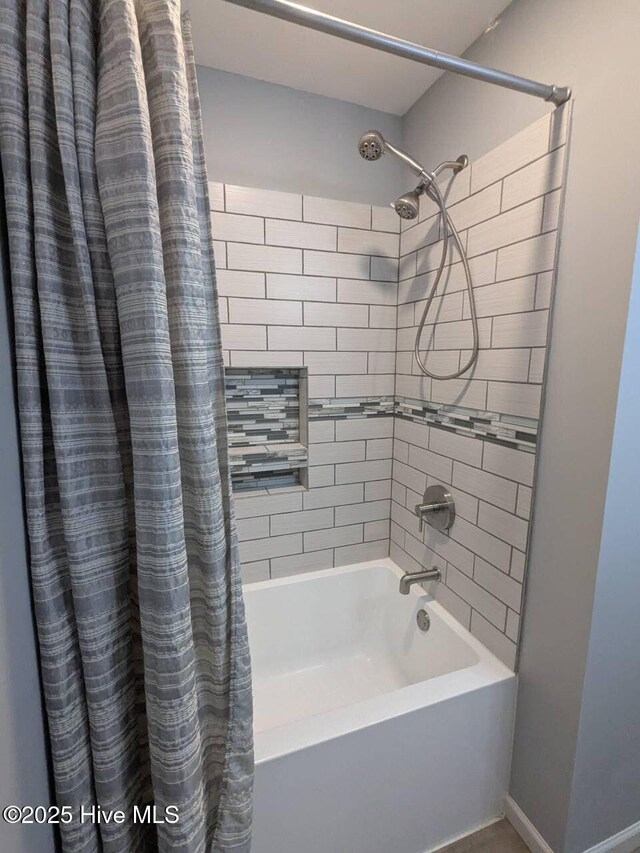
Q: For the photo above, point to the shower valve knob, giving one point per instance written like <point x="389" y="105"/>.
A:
<point x="438" y="509"/>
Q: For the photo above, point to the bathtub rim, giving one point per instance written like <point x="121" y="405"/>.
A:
<point x="301" y="734"/>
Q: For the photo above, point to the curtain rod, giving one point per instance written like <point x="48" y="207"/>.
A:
<point x="315" y="20"/>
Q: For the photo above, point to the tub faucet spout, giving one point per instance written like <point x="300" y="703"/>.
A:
<point x="409" y="578"/>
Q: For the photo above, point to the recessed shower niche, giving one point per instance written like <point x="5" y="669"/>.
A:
<point x="267" y="427"/>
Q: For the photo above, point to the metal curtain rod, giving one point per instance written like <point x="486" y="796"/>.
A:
<point x="315" y="20"/>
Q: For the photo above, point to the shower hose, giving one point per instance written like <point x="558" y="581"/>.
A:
<point x="447" y="227"/>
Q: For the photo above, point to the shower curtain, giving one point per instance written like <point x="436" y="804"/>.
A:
<point x="134" y="567"/>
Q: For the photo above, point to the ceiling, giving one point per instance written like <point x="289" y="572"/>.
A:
<point x="245" y="42"/>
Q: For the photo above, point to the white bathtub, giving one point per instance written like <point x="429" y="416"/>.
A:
<point x="371" y="736"/>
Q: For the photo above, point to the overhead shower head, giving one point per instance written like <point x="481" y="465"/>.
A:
<point x="408" y="205"/>
<point x="371" y="145"/>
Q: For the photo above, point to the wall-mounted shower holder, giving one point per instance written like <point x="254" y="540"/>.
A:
<point x="438" y="508"/>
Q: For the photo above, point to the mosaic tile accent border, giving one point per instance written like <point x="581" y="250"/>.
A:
<point x="509" y="430"/>
<point x="274" y="394"/>
<point x="340" y="408"/>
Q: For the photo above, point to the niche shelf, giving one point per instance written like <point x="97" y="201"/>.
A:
<point x="267" y="427"/>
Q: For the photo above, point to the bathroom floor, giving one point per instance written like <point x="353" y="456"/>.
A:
<point x="500" y="837"/>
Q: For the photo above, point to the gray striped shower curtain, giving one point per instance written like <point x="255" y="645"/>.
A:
<point x="143" y="644"/>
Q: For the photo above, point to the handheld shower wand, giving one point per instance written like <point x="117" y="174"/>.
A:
<point x="372" y="146"/>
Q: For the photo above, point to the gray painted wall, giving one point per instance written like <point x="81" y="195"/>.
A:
<point x="563" y="765"/>
<point x="23" y="767"/>
<point x="610" y="716"/>
<point x="272" y="137"/>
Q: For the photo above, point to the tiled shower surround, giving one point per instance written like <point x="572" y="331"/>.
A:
<point x="333" y="287"/>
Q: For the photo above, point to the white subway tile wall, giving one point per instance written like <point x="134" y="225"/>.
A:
<point x="339" y="288"/>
